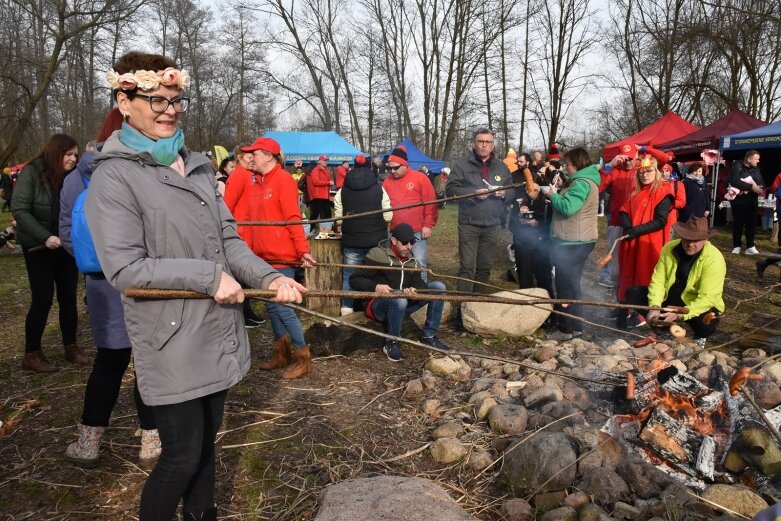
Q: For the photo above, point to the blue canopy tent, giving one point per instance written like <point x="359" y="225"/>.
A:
<point x="417" y="158"/>
<point x="309" y="146"/>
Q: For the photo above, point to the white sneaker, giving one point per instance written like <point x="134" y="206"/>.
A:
<point x="736" y="250"/>
<point x="346" y="311"/>
<point x="751" y="251"/>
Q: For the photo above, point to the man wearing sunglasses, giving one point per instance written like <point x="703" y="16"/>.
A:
<point x="397" y="252"/>
<point x="407" y="186"/>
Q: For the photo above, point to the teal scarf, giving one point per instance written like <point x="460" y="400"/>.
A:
<point x="163" y="151"/>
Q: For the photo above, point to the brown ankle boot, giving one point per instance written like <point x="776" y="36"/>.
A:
<point x="281" y="355"/>
<point x="302" y="364"/>
<point x="75" y="355"/>
<point x="36" y="362"/>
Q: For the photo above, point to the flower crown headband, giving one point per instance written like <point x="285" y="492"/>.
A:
<point x="148" y="80"/>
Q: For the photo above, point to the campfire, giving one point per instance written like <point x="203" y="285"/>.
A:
<point x="684" y="427"/>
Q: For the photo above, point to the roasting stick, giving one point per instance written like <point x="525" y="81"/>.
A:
<point x="604" y="261"/>
<point x="762" y="415"/>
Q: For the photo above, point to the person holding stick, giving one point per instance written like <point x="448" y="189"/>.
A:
<point x="158" y="221"/>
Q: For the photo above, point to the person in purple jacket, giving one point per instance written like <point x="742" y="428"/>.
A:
<point x="109" y="335"/>
<point x="764" y="264"/>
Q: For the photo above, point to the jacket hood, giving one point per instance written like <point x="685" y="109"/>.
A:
<point x="360" y="178"/>
<point x="591" y="173"/>
<point x="85" y="164"/>
<point x="383" y="254"/>
<point x="113" y="148"/>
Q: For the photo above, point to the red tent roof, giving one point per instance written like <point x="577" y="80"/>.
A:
<point x="668" y="127"/>
<point x="708" y="137"/>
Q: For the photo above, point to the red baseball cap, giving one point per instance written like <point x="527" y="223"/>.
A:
<point x="323" y="158"/>
<point x="264" y="143"/>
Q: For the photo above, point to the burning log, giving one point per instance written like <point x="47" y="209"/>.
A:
<point x="683" y="384"/>
<point x="706" y="459"/>
<point x="671" y="438"/>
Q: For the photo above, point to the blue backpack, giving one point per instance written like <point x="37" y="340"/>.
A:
<point x="83" y="247"/>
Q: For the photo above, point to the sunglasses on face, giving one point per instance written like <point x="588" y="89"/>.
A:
<point x="392" y="168"/>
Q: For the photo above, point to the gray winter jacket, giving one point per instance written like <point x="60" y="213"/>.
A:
<point x="154" y="228"/>
<point x="466" y="177"/>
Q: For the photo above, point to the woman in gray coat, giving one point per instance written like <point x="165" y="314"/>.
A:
<point x="158" y="221"/>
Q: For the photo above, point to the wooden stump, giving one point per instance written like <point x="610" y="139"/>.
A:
<point x="328" y="338"/>
<point x="767" y="337"/>
<point x="326" y="251"/>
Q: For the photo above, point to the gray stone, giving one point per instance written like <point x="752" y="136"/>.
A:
<point x="462" y="374"/>
<point x="490" y="319"/>
<point x="480" y="459"/>
<point x="606" y="362"/>
<point x="753" y="352"/>
<point x="645" y="480"/>
<point x="448" y="450"/>
<point x="619" y="347"/>
<point x="448" y="430"/>
<point x="679" y="365"/>
<point x="576" y="500"/>
<point x="543" y="395"/>
<point x="737" y="498"/>
<point x="706" y="358"/>
<point x="567" y="360"/>
<point x="766" y="393"/>
<point x="509" y="369"/>
<point x="482" y="384"/>
<point x="499" y="391"/>
<point x="508" y="419"/>
<point x="560" y="514"/>
<point x="543" y="354"/>
<point x="414" y="387"/>
<point x="578" y="396"/>
<point x="533" y="382"/>
<point x="528" y="464"/>
<point x="772" y="371"/>
<point x="516" y="510"/>
<point x="549" y="500"/>
<point x="428" y="379"/>
<point x="604" y="485"/>
<point x="479" y="396"/>
<point x="623" y="510"/>
<point x="443" y="365"/>
<point x="430" y="406"/>
<point x="483" y="408"/>
<point x="591" y="512"/>
<point x="388" y="498"/>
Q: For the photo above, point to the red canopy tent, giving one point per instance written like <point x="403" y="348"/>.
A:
<point x="668" y="127"/>
<point x="688" y="147"/>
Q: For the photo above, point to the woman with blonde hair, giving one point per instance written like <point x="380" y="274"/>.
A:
<point x="644" y="219"/>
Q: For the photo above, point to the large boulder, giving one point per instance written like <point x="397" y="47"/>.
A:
<point x="419" y="316"/>
<point x="490" y="319"/>
<point x="529" y="464"/>
<point x="388" y="498"/>
<point x="737" y="498"/>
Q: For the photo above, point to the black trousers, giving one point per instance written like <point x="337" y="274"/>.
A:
<point x="569" y="260"/>
<point x="532" y="259"/>
<point x="638" y="296"/>
<point x="319" y="209"/>
<point x="46" y="270"/>
<point x="186" y="466"/>
<point x="744" y="216"/>
<point x="103" y="386"/>
<point x="476" y="253"/>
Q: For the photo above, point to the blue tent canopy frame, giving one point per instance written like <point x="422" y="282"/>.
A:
<point x="768" y="136"/>
<point x="309" y="146"/>
<point x="417" y="158"/>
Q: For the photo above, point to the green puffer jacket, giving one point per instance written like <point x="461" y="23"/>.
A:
<point x="32" y="207"/>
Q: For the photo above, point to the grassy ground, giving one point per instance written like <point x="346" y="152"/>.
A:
<point x="282" y="441"/>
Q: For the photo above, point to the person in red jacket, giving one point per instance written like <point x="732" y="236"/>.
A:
<point x="618" y="178"/>
<point x="238" y="206"/>
<point x="341" y="173"/>
<point x="644" y="218"/>
<point x="318" y="185"/>
<point x="273" y="196"/>
<point x="406" y="186"/>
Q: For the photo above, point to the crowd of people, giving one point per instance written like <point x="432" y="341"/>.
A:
<point x="161" y="216"/>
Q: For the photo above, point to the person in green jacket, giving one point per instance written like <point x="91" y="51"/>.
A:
<point x="690" y="272"/>
<point x="36" y="208"/>
<point x="573" y="233"/>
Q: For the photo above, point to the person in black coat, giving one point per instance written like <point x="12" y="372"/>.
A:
<point x="746" y="204"/>
<point x="697" y="194"/>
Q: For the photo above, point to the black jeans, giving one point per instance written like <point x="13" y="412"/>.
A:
<point x="476" y="252"/>
<point x="638" y="296"/>
<point x="532" y="259"/>
<point x="103" y="389"/>
<point x="46" y="270"/>
<point x="185" y="469"/>
<point x="744" y="216"/>
<point x="569" y="260"/>
<point x="319" y="209"/>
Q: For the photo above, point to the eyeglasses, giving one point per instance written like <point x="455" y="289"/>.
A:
<point x="484" y="142"/>
<point x="160" y="104"/>
<point x="393" y="168"/>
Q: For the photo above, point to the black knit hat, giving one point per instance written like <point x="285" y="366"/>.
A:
<point x="399" y="155"/>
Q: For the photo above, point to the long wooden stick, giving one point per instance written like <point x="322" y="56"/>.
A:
<point x="601" y="263"/>
<point x="154" y="293"/>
